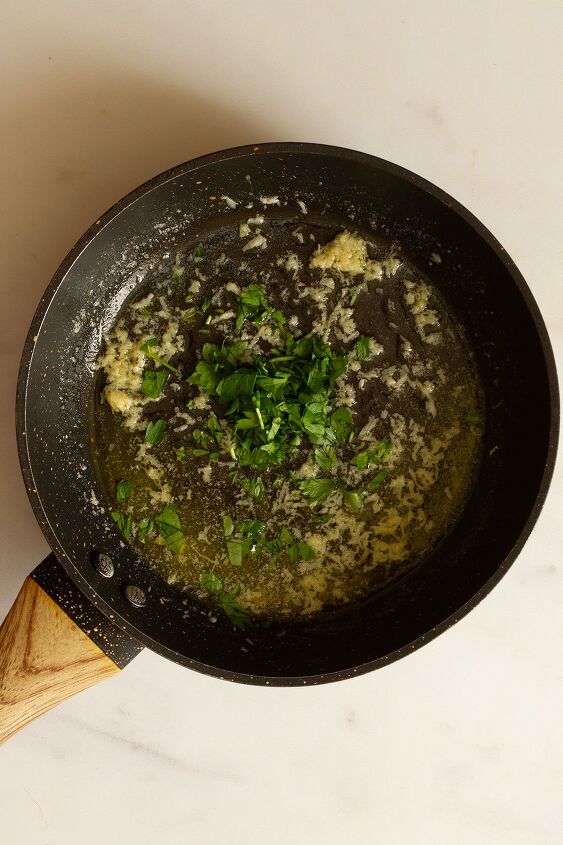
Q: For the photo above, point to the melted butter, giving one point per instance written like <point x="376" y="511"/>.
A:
<point x="415" y="396"/>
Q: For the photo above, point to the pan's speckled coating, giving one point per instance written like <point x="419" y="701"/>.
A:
<point x="479" y="281"/>
<point x="52" y="578"/>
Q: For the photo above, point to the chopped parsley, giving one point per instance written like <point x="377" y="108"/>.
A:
<point x="240" y="539"/>
<point x="211" y="582"/>
<point x="300" y="551"/>
<point x="189" y="315"/>
<point x="123" y="491"/>
<point x="147" y="348"/>
<point x="362" y="348"/>
<point x="325" y="458"/>
<point x="353" y="499"/>
<point x="254" y="487"/>
<point x="153" y="383"/>
<point x="372" y="456"/>
<point x="377" y="479"/>
<point x="156" y="432"/>
<point x="168" y="523"/>
<point x="238" y="615"/>
<point x="317" y="490"/>
<point x="146" y="527"/>
<point x="272" y="402"/>
<point x="124" y="522"/>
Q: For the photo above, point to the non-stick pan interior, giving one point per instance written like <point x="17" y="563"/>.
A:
<point x="484" y="290"/>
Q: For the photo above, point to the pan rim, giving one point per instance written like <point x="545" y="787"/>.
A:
<point x="247" y="151"/>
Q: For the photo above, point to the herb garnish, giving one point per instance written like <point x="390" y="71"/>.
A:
<point x="124" y="522"/>
<point x="273" y="401"/>
<point x="168" y="523"/>
<point x="246" y="537"/>
<point x="155" y="432"/>
<point x="147" y="348"/>
<point x="146" y="527"/>
<point x="377" y="479"/>
<point x="362" y="348"/>
<point x="254" y="305"/>
<point x="211" y="582"/>
<point x="240" y="538"/>
<point x="153" y="383"/>
<point x="123" y="491"/>
<point x="189" y="315"/>
<point x="372" y="456"/>
<point x="238" y="615"/>
<point x="325" y="458"/>
<point x="317" y="490"/>
<point x="254" y="487"/>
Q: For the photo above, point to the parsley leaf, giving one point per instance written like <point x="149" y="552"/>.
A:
<point x="204" y="376"/>
<point x="254" y="487"/>
<point x="377" y="479"/>
<point x="285" y="536"/>
<point x="372" y="456"/>
<point x="237" y="615"/>
<point x="273" y="547"/>
<point x="211" y="582"/>
<point x="300" y="551"/>
<point x="325" y="458"/>
<point x="341" y="423"/>
<point x="146" y="527"/>
<point x="123" y="491"/>
<point x="155" y="432"/>
<point x="362" y="348"/>
<point x="352" y="498"/>
<point x="177" y="274"/>
<point x="147" y="348"/>
<point x="123" y="522"/>
<point x="251" y="528"/>
<point x="228" y="526"/>
<point x="189" y="315"/>
<point x="240" y="383"/>
<point x="168" y="523"/>
<point x="235" y="552"/>
<point x="153" y="383"/>
<point x="317" y="490"/>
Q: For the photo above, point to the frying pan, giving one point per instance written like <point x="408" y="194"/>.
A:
<point x="93" y="604"/>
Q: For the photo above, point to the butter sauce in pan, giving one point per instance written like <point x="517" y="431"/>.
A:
<point x="289" y="417"/>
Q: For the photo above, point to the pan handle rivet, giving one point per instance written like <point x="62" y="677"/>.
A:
<point x="103" y="564"/>
<point x="135" y="595"/>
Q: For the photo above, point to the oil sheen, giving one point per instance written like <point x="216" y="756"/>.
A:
<point x="408" y="385"/>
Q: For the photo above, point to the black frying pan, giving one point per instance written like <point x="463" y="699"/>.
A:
<point x="103" y="585"/>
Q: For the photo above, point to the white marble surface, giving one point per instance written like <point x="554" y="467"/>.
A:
<point x="461" y="742"/>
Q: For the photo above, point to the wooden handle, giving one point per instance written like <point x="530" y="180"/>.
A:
<point x="44" y="659"/>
